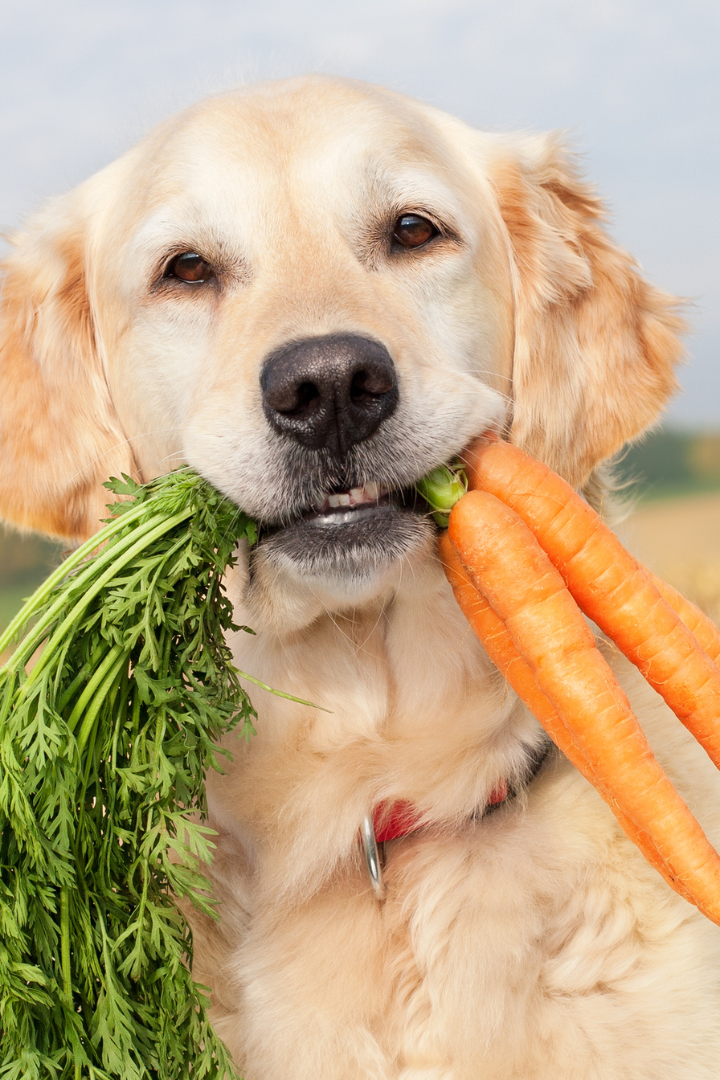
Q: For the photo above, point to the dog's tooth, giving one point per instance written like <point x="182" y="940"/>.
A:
<point x="340" y="499"/>
<point x="370" y="492"/>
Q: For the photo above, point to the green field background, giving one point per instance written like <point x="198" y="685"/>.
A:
<point x="669" y="463"/>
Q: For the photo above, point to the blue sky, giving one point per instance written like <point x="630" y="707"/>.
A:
<point x="634" y="83"/>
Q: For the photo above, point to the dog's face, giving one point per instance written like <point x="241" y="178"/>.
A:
<point x="314" y="292"/>
<point x="311" y="314"/>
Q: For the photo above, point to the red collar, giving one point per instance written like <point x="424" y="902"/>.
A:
<point x="392" y="821"/>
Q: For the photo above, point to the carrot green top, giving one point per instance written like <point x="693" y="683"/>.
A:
<point x="104" y="746"/>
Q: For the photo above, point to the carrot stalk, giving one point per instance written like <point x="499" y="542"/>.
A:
<point x="608" y="584"/>
<point x="506" y="563"/>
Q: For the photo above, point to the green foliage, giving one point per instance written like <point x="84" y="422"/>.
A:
<point x="104" y="746"/>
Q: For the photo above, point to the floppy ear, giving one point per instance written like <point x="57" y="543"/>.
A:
<point x="595" y="344"/>
<point x="59" y="435"/>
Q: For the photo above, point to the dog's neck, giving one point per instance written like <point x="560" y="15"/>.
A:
<point x="415" y="711"/>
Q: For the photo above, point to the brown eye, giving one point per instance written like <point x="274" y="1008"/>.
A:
<point x="412" y="231"/>
<point x="189" y="267"/>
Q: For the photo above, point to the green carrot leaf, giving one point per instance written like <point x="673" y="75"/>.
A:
<point x="104" y="747"/>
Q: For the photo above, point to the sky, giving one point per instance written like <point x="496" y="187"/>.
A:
<point x="633" y="84"/>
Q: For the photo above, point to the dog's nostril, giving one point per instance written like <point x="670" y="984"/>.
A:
<point x="367" y="386"/>
<point x="329" y="392"/>
<point x="296" y="403"/>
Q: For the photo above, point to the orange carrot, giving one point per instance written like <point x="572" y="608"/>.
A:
<point x="500" y="647"/>
<point x="698" y="623"/>
<point x="608" y="584"/>
<point x="506" y="563"/>
<point x="502" y="651"/>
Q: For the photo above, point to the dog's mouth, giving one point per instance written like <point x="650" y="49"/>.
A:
<point x="351" y="530"/>
<point x="342" y="507"/>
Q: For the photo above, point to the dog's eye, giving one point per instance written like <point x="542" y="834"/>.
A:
<point x="412" y="231"/>
<point x="189" y="267"/>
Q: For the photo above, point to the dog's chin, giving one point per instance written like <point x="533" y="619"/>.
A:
<point x="348" y="550"/>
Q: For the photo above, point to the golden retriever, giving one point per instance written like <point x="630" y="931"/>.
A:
<point x="315" y="291"/>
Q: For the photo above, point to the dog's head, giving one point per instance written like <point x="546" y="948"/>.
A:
<point x="314" y="292"/>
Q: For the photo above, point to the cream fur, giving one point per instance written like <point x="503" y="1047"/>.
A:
<point x="535" y="942"/>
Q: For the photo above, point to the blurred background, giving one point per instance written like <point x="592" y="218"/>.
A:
<point x="634" y="84"/>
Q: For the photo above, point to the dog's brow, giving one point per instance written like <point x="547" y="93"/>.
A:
<point x="174" y="228"/>
<point x="414" y="187"/>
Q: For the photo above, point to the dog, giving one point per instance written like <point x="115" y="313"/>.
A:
<point x="314" y="292"/>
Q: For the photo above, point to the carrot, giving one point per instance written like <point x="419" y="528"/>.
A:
<point x="500" y="647"/>
<point x="506" y="563"/>
<point x="698" y="623"/>
<point x="502" y="651"/>
<point x="608" y="584"/>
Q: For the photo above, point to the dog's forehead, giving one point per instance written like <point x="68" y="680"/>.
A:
<point x="301" y="122"/>
<point x="300" y="143"/>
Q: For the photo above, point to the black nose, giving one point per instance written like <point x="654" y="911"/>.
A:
<point x="329" y="392"/>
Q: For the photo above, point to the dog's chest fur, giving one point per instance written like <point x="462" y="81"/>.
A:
<point x="533" y="942"/>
